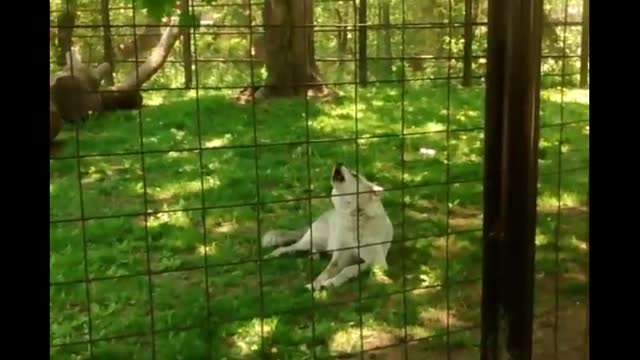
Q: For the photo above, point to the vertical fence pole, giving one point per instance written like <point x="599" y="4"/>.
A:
<point x="511" y="144"/>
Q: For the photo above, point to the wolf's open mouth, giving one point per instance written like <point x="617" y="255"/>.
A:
<point x="337" y="173"/>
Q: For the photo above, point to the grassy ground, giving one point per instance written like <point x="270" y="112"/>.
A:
<point x="181" y="270"/>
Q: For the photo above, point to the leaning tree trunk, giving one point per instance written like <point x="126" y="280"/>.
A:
<point x="290" y="61"/>
<point x="143" y="42"/>
<point x="66" y="21"/>
<point x="75" y="90"/>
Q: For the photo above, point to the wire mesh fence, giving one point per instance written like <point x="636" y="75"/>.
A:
<point x="216" y="124"/>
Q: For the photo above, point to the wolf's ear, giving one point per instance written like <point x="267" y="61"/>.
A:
<point x="377" y="191"/>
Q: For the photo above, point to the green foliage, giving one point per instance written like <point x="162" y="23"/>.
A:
<point x="156" y="9"/>
<point x="189" y="19"/>
<point x="413" y="41"/>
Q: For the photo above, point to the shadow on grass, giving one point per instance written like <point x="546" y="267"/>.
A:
<point x="236" y="290"/>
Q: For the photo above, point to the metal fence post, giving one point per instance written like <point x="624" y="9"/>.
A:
<point x="511" y="145"/>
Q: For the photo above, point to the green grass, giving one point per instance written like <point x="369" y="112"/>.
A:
<point x="225" y="177"/>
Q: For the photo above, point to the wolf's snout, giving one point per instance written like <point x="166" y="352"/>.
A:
<point x="337" y="173"/>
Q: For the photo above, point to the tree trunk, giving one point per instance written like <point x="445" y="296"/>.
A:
<point x="468" y="43"/>
<point x="106" y="40"/>
<point x="290" y="61"/>
<point x="584" y="51"/>
<point x="256" y="51"/>
<point x="75" y="90"/>
<point x="186" y="48"/>
<point x="144" y="41"/>
<point x="386" y="22"/>
<point x="341" y="39"/>
<point x="379" y="33"/>
<point x="66" y="21"/>
<point x="155" y="61"/>
<point x="362" y="43"/>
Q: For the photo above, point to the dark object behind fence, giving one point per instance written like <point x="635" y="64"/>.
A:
<point x="511" y="132"/>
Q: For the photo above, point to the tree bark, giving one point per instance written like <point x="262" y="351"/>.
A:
<point x="66" y="21"/>
<point x="468" y="43"/>
<point x="75" y="90"/>
<point x="144" y="41"/>
<point x="186" y="48"/>
<point x="584" y="51"/>
<point x="341" y="37"/>
<point x="362" y="43"/>
<point x="155" y="61"/>
<point x="386" y="21"/>
<point x="290" y="53"/>
<point x="379" y="33"/>
<point x="106" y="40"/>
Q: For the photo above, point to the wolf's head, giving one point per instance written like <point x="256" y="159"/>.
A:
<point x="352" y="191"/>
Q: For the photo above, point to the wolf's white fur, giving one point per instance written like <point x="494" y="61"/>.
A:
<point x="358" y="213"/>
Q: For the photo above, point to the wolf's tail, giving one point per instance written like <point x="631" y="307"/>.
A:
<point x="282" y="237"/>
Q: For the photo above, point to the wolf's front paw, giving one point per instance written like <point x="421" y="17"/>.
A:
<point x="318" y="285"/>
<point x="274" y="253"/>
<point x="271" y="238"/>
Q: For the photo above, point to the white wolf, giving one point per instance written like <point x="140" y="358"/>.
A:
<point x="357" y="214"/>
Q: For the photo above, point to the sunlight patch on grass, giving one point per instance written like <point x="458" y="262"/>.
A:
<point x="379" y="276"/>
<point x="155" y="98"/>
<point x="549" y="202"/>
<point x="439" y="246"/>
<point x="218" y="142"/>
<point x="578" y="244"/>
<point x="226" y="227"/>
<point x="430" y="316"/>
<point x="321" y="295"/>
<point x="466" y="115"/>
<point x="335" y="122"/>
<point x="247" y="339"/>
<point x="429" y="277"/>
<point x="580" y="96"/>
<point x="541" y="239"/>
<point x="169" y="190"/>
<point x="206" y="250"/>
<point x="569" y="199"/>
<point x="373" y="336"/>
<point x="419" y="332"/>
<point x="434" y="126"/>
<point x="211" y="182"/>
<point x="177" y="218"/>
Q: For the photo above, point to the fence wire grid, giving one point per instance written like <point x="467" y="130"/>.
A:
<point x="158" y="208"/>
